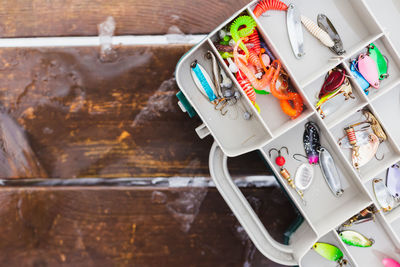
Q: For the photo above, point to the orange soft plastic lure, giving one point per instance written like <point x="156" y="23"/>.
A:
<point x="291" y="103"/>
<point x="265" y="5"/>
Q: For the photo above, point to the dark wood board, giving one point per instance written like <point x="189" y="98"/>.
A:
<point x="132" y="227"/>
<point x="88" y="118"/>
<point x="25" y="18"/>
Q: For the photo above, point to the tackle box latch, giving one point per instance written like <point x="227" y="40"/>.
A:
<point x="184" y="104"/>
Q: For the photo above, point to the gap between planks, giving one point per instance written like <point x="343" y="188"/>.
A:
<point x="167" y="39"/>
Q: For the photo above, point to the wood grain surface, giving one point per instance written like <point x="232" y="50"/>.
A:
<point x="88" y="118"/>
<point x="23" y="18"/>
<point x="132" y="227"/>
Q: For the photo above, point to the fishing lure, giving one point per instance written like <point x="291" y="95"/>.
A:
<point x="333" y="81"/>
<point x="365" y="153"/>
<point x="381" y="61"/>
<point x="365" y="215"/>
<point x="387" y="262"/>
<point x="393" y="180"/>
<point x="311" y="142"/>
<point x="345" y="89"/>
<point x="249" y="28"/>
<point x="241" y="63"/>
<point x="362" y="82"/>
<point x="359" y="138"/>
<point x="254" y="40"/>
<point x="247" y="88"/>
<point x="355" y="239"/>
<point x="295" y="31"/>
<point x="383" y="195"/>
<point x="267" y="51"/>
<point x="317" y="32"/>
<point x="203" y="81"/>
<point x="368" y="69"/>
<point x="326" y="25"/>
<point x="375" y="125"/>
<point x="280" y="161"/>
<point x="304" y="176"/>
<point x="265" y="5"/>
<point x="216" y="73"/>
<point x="330" y="252"/>
<point x="329" y="171"/>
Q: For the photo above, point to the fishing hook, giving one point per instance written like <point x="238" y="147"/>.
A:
<point x="278" y="151"/>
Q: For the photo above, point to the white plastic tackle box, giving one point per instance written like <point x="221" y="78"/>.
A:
<point x="235" y="133"/>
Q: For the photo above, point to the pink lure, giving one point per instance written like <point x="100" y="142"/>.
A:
<point x="390" y="263"/>
<point x="369" y="70"/>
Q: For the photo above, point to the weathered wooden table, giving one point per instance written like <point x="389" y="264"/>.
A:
<point x="88" y="119"/>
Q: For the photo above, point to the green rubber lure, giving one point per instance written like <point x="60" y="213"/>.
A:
<point x="380" y="60"/>
<point x="355" y="239"/>
<point x="249" y="24"/>
<point x="328" y="251"/>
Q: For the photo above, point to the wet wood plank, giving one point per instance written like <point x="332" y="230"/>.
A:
<point x="132" y="227"/>
<point x="88" y="118"/>
<point x="24" y="18"/>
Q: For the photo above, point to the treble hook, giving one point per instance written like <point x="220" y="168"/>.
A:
<point x="220" y="107"/>
<point x="279" y="151"/>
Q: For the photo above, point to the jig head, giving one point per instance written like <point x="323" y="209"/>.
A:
<point x="330" y="172"/>
<point x="325" y="24"/>
<point x="311" y="142"/>
<point x="280" y="161"/>
<point x="295" y="31"/>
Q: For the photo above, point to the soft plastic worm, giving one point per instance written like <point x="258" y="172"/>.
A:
<point x="255" y="60"/>
<point x="254" y="39"/>
<point x="317" y="31"/>
<point x="293" y="109"/>
<point x="265" y="5"/>
<point x="246" y="86"/>
<point x="257" y="84"/>
<point x="249" y="29"/>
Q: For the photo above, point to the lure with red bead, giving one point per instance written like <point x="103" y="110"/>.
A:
<point x="280" y="161"/>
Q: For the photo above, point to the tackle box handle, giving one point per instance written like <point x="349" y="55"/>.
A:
<point x="242" y="210"/>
